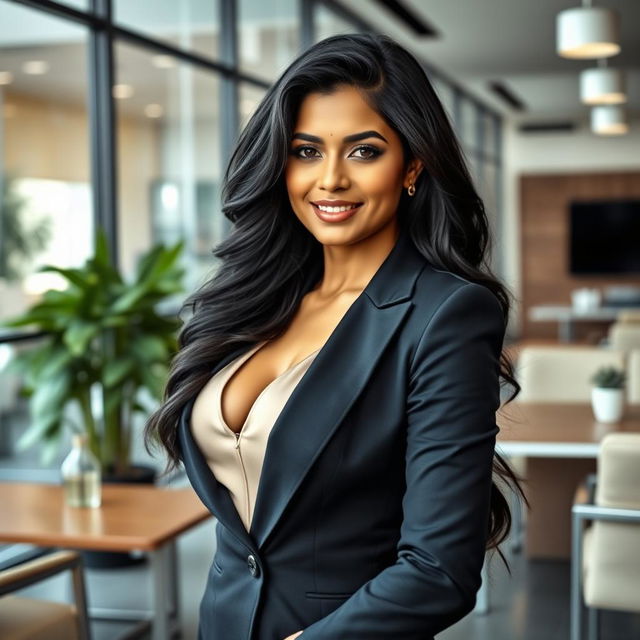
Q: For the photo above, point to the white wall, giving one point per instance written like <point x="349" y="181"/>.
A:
<point x="549" y="153"/>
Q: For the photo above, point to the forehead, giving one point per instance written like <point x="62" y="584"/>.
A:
<point x="337" y="113"/>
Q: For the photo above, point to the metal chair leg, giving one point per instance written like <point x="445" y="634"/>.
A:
<point x="593" y="623"/>
<point x="517" y="529"/>
<point x="576" y="577"/>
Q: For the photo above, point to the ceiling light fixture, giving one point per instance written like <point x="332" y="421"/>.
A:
<point x="602" y="85"/>
<point x="587" y="32"/>
<point x="609" y="120"/>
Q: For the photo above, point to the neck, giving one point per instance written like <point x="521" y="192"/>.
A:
<point x="350" y="267"/>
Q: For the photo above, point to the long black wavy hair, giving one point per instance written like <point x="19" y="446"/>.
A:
<point x="270" y="260"/>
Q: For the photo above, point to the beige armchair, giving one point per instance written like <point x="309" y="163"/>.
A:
<point x="633" y="376"/>
<point x="624" y="336"/>
<point x="561" y="373"/>
<point x="30" y="619"/>
<point x="629" y="315"/>
<point x="605" y="558"/>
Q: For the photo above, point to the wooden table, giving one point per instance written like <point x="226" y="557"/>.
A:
<point x="561" y="444"/>
<point x="131" y="517"/>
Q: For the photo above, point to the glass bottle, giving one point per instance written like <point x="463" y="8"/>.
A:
<point x="81" y="474"/>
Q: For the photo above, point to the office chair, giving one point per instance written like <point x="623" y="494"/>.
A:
<point x="30" y="619"/>
<point x="605" y="563"/>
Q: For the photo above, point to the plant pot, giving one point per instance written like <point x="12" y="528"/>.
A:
<point x="138" y="474"/>
<point x="608" y="404"/>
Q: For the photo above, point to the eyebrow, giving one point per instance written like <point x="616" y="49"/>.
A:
<point x="352" y="138"/>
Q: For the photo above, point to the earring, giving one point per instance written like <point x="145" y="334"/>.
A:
<point x="411" y="189"/>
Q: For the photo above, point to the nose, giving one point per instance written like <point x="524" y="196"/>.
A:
<point x="333" y="175"/>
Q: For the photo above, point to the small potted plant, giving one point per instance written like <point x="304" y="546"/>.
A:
<point x="607" y="394"/>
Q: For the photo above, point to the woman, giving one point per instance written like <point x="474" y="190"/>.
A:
<point x="333" y="400"/>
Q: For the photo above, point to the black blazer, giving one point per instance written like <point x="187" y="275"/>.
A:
<point x="372" y="511"/>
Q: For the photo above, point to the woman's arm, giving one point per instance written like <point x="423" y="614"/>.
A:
<point x="453" y="396"/>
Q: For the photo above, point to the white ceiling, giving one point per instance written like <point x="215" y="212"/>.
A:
<point x="512" y="41"/>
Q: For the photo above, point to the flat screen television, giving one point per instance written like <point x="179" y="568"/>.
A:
<point x="604" y="237"/>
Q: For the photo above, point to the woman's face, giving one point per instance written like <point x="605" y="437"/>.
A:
<point x="345" y="171"/>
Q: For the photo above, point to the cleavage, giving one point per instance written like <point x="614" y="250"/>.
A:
<point x="240" y="396"/>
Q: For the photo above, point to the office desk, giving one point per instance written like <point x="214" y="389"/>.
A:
<point x="131" y="517"/>
<point x="561" y="443"/>
<point x="567" y="317"/>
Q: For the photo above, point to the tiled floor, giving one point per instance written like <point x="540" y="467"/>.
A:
<point x="533" y="604"/>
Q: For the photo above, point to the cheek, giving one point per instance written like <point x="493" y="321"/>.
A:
<point x="295" y="182"/>
<point x="383" y="183"/>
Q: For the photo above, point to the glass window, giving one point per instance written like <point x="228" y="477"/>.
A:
<point x="83" y="5"/>
<point x="192" y="25"/>
<point x="46" y="212"/>
<point x="469" y="124"/>
<point x="169" y="165"/>
<point x="328" y="23"/>
<point x="491" y="124"/>
<point x="489" y="193"/>
<point x="46" y="203"/>
<point x="249" y="98"/>
<point x="268" y="36"/>
<point x="445" y="94"/>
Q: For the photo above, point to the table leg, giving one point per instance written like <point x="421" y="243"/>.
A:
<point x="161" y="569"/>
<point x="164" y="615"/>
<point x="174" y="596"/>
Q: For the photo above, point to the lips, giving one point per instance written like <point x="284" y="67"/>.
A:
<point x="335" y="216"/>
<point x="335" y="203"/>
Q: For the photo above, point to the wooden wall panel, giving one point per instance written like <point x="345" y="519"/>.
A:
<point x="544" y="238"/>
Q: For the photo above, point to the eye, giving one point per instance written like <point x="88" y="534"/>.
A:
<point x="369" y="150"/>
<point x="300" y="152"/>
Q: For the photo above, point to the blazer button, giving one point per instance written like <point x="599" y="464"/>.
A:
<point x="254" y="569"/>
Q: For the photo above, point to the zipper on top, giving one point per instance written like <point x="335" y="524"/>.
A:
<point x="244" y="476"/>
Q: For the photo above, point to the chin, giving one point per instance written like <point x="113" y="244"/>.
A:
<point x="336" y="234"/>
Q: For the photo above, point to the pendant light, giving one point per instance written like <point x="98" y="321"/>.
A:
<point x="608" y="120"/>
<point x="602" y="85"/>
<point x="587" y="32"/>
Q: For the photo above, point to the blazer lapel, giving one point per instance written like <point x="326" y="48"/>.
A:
<point x="317" y="405"/>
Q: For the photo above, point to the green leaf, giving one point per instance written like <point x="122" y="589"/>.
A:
<point x="58" y="359"/>
<point x="163" y="261"/>
<point x="51" y="395"/>
<point x="115" y="371"/>
<point x="147" y="262"/>
<point x="78" y="336"/>
<point x="37" y="429"/>
<point x="128" y="301"/>
<point x="115" y="321"/>
<point x="34" y="316"/>
<point x="150" y="348"/>
<point x="50" y="447"/>
<point x="153" y="382"/>
<point x="79" y="277"/>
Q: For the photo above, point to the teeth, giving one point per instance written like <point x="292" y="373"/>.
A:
<point x="336" y="209"/>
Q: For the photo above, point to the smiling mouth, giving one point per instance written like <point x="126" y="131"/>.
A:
<point x="337" y="209"/>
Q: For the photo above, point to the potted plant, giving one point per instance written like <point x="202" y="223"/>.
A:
<point x="607" y="394"/>
<point x="102" y="334"/>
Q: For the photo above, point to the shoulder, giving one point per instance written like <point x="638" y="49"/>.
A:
<point x="437" y="290"/>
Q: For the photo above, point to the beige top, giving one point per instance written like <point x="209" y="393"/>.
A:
<point x="236" y="458"/>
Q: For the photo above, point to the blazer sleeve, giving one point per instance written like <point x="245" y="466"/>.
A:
<point x="453" y="395"/>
